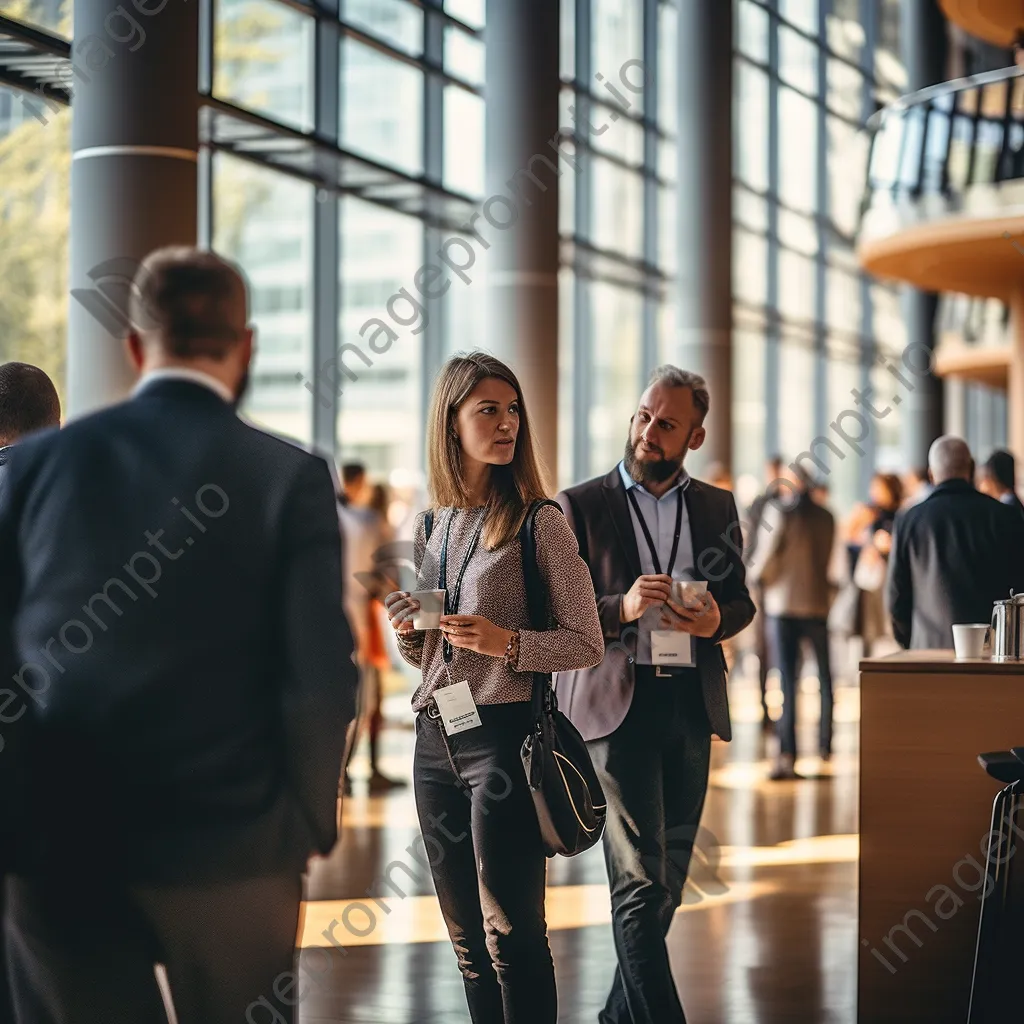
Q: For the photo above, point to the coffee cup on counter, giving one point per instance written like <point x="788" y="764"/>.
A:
<point x="969" y="639"/>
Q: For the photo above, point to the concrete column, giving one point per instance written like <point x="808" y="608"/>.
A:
<point x="923" y="48"/>
<point x="134" y="143"/>
<point x="521" y="212"/>
<point x="704" y="316"/>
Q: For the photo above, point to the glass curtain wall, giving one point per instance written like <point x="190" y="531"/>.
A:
<point x="35" y="176"/>
<point x="617" y="220"/>
<point x="409" y="100"/>
<point x="810" y="326"/>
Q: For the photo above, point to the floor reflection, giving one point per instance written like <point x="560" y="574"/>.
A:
<point x="767" y="935"/>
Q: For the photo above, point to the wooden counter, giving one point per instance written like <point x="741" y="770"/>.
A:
<point x="925" y="810"/>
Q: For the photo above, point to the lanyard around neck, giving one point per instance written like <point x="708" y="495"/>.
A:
<point x="647" y="533"/>
<point x="452" y="598"/>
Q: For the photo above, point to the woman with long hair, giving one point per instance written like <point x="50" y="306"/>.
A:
<point x="479" y="825"/>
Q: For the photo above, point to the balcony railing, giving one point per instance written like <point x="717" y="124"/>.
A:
<point x="972" y="320"/>
<point x="943" y="140"/>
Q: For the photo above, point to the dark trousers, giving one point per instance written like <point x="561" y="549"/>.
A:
<point x="84" y="950"/>
<point x="481" y="834"/>
<point x="6" y="1006"/>
<point x="654" y="772"/>
<point x="789" y="631"/>
<point x="762" y="649"/>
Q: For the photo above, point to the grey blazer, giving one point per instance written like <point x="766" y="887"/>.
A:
<point x="597" y="699"/>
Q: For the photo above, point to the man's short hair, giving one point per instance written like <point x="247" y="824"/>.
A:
<point x="28" y="401"/>
<point x="191" y="300"/>
<point x="949" y="458"/>
<point x="1001" y="467"/>
<point x="352" y="472"/>
<point x="674" y="377"/>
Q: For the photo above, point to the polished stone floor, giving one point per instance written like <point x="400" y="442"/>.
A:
<point x="767" y="934"/>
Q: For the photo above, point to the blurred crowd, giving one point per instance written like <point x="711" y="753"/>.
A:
<point x="819" y="580"/>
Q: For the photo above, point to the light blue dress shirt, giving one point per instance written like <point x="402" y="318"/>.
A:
<point x="660" y="515"/>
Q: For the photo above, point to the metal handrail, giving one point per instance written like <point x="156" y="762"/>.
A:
<point x="930" y="142"/>
<point x="950" y="88"/>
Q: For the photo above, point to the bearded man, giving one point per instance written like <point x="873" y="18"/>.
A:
<point x="666" y="557"/>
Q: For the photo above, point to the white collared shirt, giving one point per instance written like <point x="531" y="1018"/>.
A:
<point x="660" y="515"/>
<point x="183" y="373"/>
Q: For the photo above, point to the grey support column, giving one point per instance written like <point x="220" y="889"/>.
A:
<point x="923" y="46"/>
<point x="134" y="144"/>
<point x="705" y="212"/>
<point x="522" y="209"/>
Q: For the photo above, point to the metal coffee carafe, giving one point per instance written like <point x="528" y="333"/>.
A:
<point x="1008" y="629"/>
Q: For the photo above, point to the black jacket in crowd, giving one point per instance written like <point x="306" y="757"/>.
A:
<point x="953" y="555"/>
<point x="177" y="672"/>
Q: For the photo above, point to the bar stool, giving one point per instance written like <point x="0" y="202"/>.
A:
<point x="995" y="986"/>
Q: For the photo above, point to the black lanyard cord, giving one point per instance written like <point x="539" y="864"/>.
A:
<point x="650" y="539"/>
<point x="452" y="598"/>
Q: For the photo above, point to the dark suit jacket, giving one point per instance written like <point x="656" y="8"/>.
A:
<point x="597" y="699"/>
<point x="953" y="555"/>
<point x="171" y="612"/>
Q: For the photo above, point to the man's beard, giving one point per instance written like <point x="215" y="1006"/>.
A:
<point x="657" y="472"/>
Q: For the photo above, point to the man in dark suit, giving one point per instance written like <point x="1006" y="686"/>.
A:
<point x="648" y="711"/>
<point x="28" y="403"/>
<point x="953" y="555"/>
<point x="998" y="479"/>
<point x="175" y="647"/>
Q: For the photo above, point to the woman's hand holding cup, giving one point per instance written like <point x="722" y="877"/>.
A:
<point x="401" y="607"/>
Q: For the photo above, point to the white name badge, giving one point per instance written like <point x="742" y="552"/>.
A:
<point x="457" y="707"/>
<point x="670" y="647"/>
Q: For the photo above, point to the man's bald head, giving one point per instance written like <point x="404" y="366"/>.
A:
<point x="192" y="304"/>
<point x="949" y="458"/>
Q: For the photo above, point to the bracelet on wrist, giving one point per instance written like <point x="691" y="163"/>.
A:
<point x="512" y="648"/>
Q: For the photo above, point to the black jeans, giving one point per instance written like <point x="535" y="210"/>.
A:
<point x="789" y="631"/>
<point x="654" y="772"/>
<point x="481" y="834"/>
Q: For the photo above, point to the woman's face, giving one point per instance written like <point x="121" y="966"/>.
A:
<point x="487" y="423"/>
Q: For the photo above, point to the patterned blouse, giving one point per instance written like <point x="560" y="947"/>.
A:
<point x="493" y="587"/>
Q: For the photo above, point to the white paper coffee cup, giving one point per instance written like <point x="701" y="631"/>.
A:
<point x="969" y="639"/>
<point x="431" y="609"/>
<point x="690" y="594"/>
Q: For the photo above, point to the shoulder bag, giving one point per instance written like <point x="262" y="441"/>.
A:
<point x="566" y="792"/>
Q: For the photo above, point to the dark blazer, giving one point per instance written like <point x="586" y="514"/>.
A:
<point x="171" y="615"/>
<point x="597" y="699"/>
<point x="953" y="555"/>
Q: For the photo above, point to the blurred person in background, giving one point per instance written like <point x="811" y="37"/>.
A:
<point x="378" y="661"/>
<point x="28" y="403"/>
<point x="997" y="478"/>
<point x="916" y="486"/>
<point x="367" y="531"/>
<point x="189" y="747"/>
<point x="953" y="555"/>
<point x="791" y="563"/>
<point x="867" y="536"/>
<point x="762" y="641"/>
